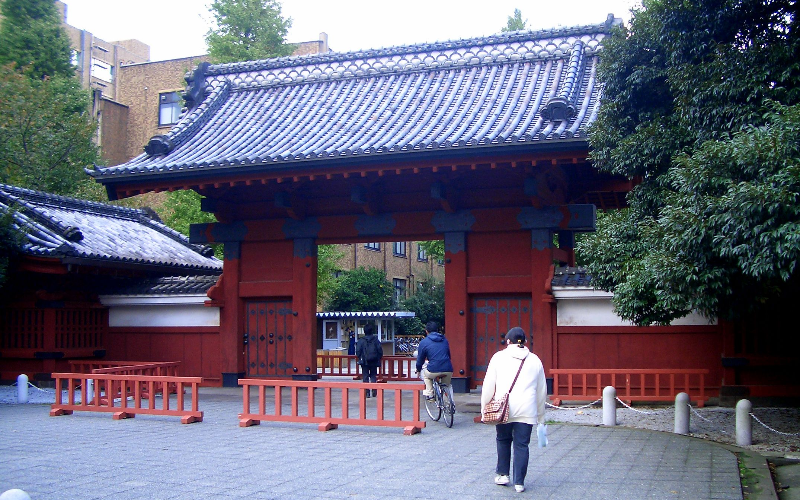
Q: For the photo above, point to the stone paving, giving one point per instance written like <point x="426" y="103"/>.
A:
<point x="91" y="456"/>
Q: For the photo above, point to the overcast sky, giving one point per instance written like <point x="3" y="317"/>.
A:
<point x="176" y="28"/>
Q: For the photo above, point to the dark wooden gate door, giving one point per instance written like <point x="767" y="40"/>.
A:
<point x="269" y="340"/>
<point x="490" y="318"/>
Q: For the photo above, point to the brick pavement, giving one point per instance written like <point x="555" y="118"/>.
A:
<point x="91" y="456"/>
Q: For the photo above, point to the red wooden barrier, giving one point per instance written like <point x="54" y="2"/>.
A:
<point x="631" y="384"/>
<point x="393" y="368"/>
<point x="328" y="418"/>
<point x="112" y="384"/>
<point x="157" y="368"/>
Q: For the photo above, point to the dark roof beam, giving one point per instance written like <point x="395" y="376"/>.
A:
<point x="366" y="197"/>
<point x="294" y="206"/>
<point x="446" y="194"/>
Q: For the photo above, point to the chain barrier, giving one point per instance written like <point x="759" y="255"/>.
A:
<point x="573" y="407"/>
<point x="634" y="409"/>
<point x="773" y="430"/>
<point x="697" y="414"/>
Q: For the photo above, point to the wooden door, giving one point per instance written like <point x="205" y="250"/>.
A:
<point x="490" y="319"/>
<point x="268" y="352"/>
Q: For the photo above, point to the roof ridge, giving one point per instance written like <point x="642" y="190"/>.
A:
<point x="498" y="38"/>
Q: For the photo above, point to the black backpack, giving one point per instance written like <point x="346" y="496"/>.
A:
<point x="373" y="351"/>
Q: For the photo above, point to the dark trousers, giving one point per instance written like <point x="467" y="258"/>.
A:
<point x="370" y="375"/>
<point x="518" y="433"/>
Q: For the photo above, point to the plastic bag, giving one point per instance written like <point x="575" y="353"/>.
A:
<point x="541" y="433"/>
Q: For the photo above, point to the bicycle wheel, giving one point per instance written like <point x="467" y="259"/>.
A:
<point x="449" y="406"/>
<point x="432" y="405"/>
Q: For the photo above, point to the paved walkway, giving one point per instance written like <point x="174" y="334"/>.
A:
<point x="91" y="456"/>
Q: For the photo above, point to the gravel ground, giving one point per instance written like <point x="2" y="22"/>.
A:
<point x="712" y="423"/>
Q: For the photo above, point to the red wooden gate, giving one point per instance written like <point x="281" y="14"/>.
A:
<point x="269" y="338"/>
<point x="490" y="318"/>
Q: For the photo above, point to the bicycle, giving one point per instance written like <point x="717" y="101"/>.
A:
<point x="441" y="402"/>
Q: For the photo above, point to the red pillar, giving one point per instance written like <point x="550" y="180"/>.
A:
<point x="456" y="308"/>
<point x="304" y="304"/>
<point x="230" y="330"/>
<point x="542" y="336"/>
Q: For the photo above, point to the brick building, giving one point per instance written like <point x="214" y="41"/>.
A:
<point x="136" y="99"/>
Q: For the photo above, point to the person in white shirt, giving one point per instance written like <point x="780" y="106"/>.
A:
<point x="526" y="404"/>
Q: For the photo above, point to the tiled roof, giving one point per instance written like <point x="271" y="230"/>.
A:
<point x="571" y="276"/>
<point x="75" y="231"/>
<point x="524" y="88"/>
<point x="166" y="285"/>
<point x="365" y="314"/>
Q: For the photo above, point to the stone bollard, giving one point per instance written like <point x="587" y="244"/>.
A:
<point x="682" y="413"/>
<point x="22" y="389"/>
<point x="14" y="494"/>
<point x="744" y="424"/>
<point x="609" y="406"/>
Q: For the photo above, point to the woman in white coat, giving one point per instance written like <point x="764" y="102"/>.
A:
<point x="526" y="404"/>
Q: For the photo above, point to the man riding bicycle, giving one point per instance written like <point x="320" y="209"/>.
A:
<point x="434" y="349"/>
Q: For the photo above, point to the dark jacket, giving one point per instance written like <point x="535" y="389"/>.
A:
<point x="436" y="350"/>
<point x="361" y="350"/>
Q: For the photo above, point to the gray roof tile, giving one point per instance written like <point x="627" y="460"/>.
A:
<point x="517" y="88"/>
<point x="74" y="229"/>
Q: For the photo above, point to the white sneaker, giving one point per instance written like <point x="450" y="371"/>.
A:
<point x="520" y="488"/>
<point x="501" y="480"/>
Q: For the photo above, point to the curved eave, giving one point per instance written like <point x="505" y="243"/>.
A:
<point x="317" y="166"/>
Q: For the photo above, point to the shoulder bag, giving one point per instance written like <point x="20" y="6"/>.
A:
<point x="496" y="411"/>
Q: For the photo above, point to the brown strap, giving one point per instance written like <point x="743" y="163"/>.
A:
<point x="515" y="378"/>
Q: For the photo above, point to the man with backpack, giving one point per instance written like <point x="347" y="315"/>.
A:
<point x="369" y="353"/>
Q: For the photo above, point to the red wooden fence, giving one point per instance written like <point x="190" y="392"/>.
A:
<point x="330" y="417"/>
<point x="392" y="369"/>
<point x="631" y="384"/>
<point x="107" y="388"/>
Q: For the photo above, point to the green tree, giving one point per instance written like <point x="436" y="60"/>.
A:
<point x="46" y="133"/>
<point x="247" y="30"/>
<point x="327" y="266"/>
<point x="699" y="106"/>
<point x="427" y="302"/>
<point x="362" y="289"/>
<point x="31" y="35"/>
<point x="515" y="22"/>
<point x="434" y="248"/>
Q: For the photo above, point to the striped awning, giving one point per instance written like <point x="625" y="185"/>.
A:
<point x="365" y="314"/>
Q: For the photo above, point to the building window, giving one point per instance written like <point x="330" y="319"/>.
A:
<point x="440" y="262"/>
<point x="373" y="246"/>
<point x="76" y="58"/>
<point x="422" y="255"/>
<point x="102" y="70"/>
<point x="400" y="248"/>
<point x="169" y="108"/>
<point x="399" y="290"/>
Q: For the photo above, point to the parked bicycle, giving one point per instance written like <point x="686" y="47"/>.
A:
<point x="441" y="403"/>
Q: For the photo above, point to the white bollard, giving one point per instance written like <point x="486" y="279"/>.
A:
<point x="609" y="406"/>
<point x="89" y="396"/>
<point x="22" y="389"/>
<point x="744" y="424"/>
<point x="14" y="494"/>
<point x="682" y="413"/>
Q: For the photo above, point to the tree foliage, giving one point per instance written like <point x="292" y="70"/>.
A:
<point x="45" y="133"/>
<point x="327" y="266"/>
<point x="433" y="248"/>
<point x="247" y="30"/>
<point x="700" y="107"/>
<point x="362" y="289"/>
<point x="31" y="36"/>
<point x="515" y="22"/>
<point x="427" y="302"/>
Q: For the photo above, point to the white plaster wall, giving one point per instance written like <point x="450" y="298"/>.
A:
<point x="160" y="311"/>
<point x="588" y="307"/>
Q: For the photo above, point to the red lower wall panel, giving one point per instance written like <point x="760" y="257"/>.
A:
<point x="197" y="348"/>
<point x="633" y="347"/>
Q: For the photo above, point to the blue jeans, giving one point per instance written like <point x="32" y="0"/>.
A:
<point x="520" y="434"/>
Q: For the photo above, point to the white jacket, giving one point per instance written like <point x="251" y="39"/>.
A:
<point x="527" y="400"/>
